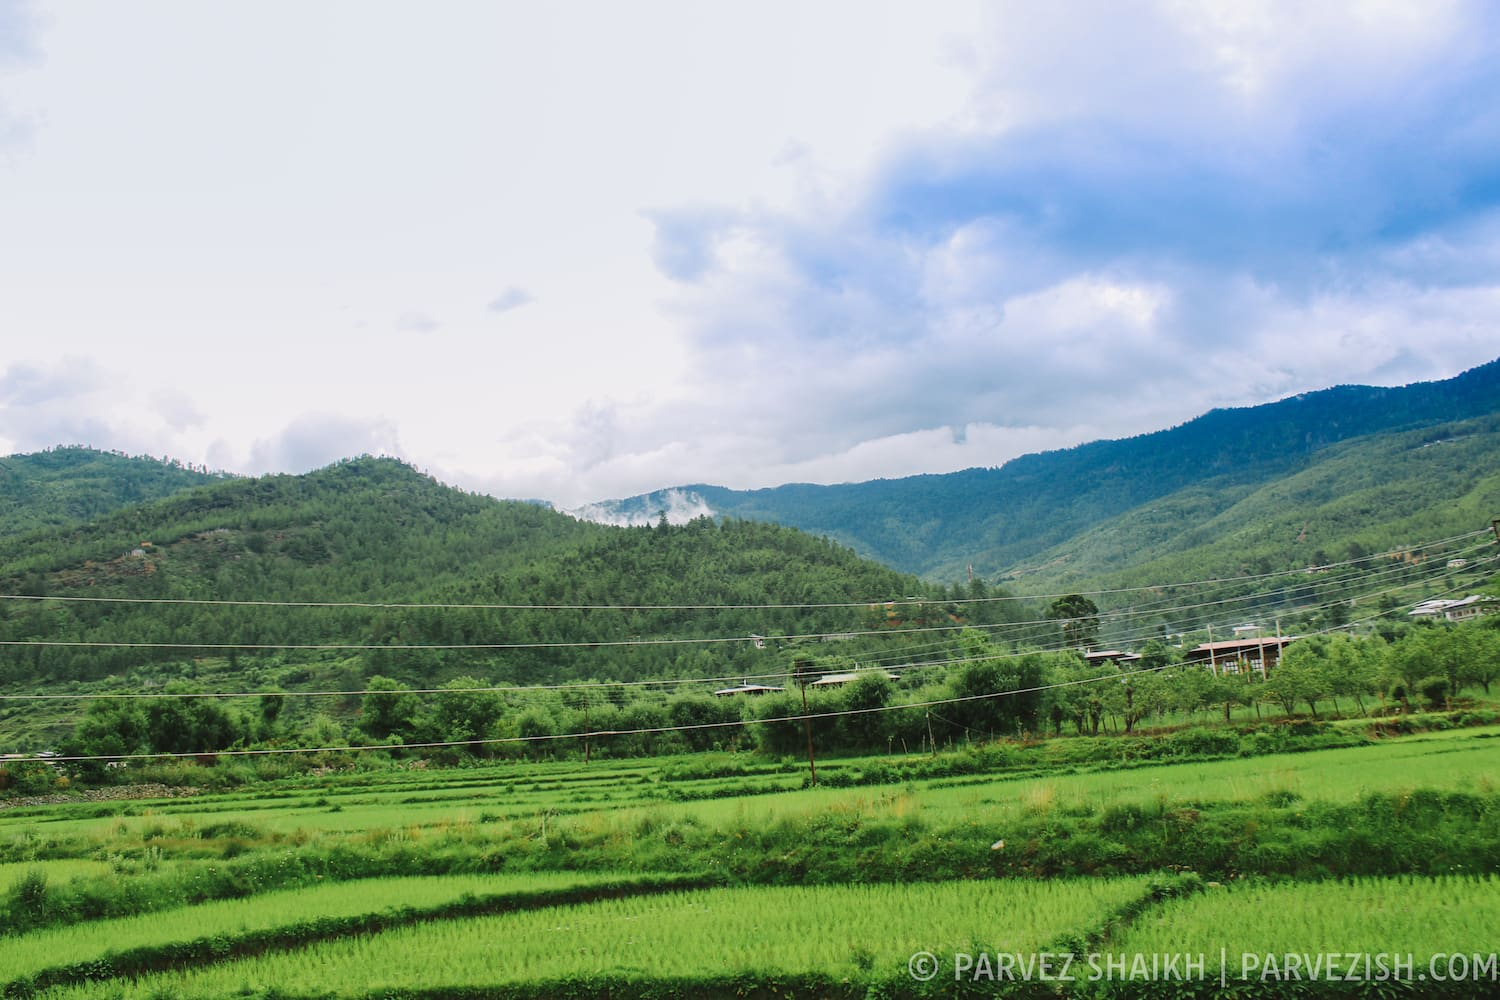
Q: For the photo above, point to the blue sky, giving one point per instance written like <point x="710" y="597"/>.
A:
<point x="585" y="250"/>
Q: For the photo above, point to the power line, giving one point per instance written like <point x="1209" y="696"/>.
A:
<point x="653" y="730"/>
<point x="416" y="606"/>
<point x="577" y="644"/>
<point x="663" y="682"/>
<point x="594" y="734"/>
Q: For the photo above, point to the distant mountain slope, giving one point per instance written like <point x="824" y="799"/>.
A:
<point x="68" y="485"/>
<point x="1375" y="493"/>
<point x="1001" y="519"/>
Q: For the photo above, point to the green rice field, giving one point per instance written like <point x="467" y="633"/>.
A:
<point x="721" y="875"/>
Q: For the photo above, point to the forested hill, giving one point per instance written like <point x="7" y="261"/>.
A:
<point x="68" y="485"/>
<point x="376" y="532"/>
<point x="1008" y="519"/>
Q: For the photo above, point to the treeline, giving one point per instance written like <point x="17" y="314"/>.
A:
<point x="991" y="692"/>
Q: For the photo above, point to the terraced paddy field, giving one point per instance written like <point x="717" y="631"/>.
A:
<point x="722" y="875"/>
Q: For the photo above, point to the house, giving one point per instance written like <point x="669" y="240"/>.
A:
<point x="1113" y="656"/>
<point x="1457" y="610"/>
<point x="839" y="680"/>
<point x="1232" y="656"/>
<point x="747" y="688"/>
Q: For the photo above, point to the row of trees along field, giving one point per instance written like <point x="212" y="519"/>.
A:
<point x="990" y="692"/>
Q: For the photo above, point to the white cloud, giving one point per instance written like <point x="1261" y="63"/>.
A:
<point x="314" y="440"/>
<point x="413" y="321"/>
<point x="177" y="409"/>
<point x="932" y="237"/>
<point x="511" y="298"/>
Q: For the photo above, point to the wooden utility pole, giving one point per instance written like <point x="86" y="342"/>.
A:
<point x="587" y="726"/>
<point x="800" y="672"/>
<point x="1278" y="649"/>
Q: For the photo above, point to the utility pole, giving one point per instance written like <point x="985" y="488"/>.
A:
<point x="800" y="672"/>
<point x="1278" y="649"/>
<point x="587" y="726"/>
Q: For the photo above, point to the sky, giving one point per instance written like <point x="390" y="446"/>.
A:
<point x="582" y="250"/>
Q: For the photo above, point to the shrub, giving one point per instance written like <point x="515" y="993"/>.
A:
<point x="1199" y="742"/>
<point x="28" y="777"/>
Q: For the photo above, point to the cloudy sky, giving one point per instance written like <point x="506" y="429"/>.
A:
<point x="584" y="250"/>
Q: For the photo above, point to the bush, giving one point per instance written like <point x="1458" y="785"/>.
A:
<point x="1202" y="742"/>
<point x="28" y="777"/>
<point x="29" y="894"/>
<point x="1434" y="690"/>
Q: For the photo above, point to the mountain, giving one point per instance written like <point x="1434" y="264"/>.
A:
<point x="337" y="558"/>
<point x="69" y="485"/>
<point x="1007" y="522"/>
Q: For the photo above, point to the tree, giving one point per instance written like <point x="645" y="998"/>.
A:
<point x="1454" y="651"/>
<point x="1192" y="690"/>
<point x="867" y="695"/>
<point x="467" y="715"/>
<point x="1155" y="655"/>
<point x="1353" y="666"/>
<point x="1301" y="675"/>
<point x="705" y="721"/>
<point x="1151" y="695"/>
<point x="387" y="709"/>
<point x="1078" y="618"/>
<point x="190" y="725"/>
<point x="1486" y="666"/>
<point x="1412" y="658"/>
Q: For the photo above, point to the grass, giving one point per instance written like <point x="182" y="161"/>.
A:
<point x="282" y="919"/>
<point x="1407" y="919"/>
<point x="54" y="869"/>
<point x="1425" y="916"/>
<point x="853" y="932"/>
<point x="505" y="793"/>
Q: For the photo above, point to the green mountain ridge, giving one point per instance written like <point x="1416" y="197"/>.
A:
<point x="68" y="485"/>
<point x="1006" y="522"/>
<point x="1378" y="493"/>
<point x="361" y="541"/>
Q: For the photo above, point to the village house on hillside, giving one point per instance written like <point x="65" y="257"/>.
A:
<point x="1116" y="657"/>
<point x="839" y="680"/>
<point x="1233" y="656"/>
<point x="1460" y="610"/>
<point x="747" y="688"/>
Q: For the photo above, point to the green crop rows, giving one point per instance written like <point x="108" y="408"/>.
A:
<point x="843" y="931"/>
<point x="720" y="875"/>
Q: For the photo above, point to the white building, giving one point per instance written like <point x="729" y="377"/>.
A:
<point x="1457" y="610"/>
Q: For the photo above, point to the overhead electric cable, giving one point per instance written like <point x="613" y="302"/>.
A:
<point x="577" y="644"/>
<point x="664" y="682"/>
<point x="499" y="740"/>
<point x="415" y="606"/>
